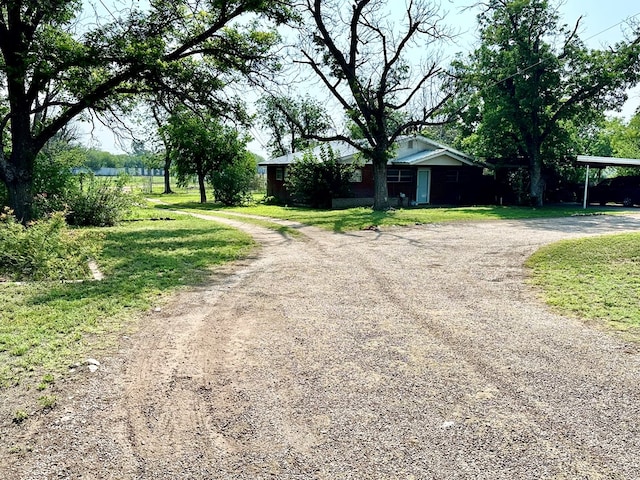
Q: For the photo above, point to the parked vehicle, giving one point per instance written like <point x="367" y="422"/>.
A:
<point x="624" y="190"/>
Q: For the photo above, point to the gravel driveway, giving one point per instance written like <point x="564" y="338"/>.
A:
<point x="411" y="353"/>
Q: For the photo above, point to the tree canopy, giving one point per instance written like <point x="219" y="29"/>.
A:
<point x="532" y="80"/>
<point x="55" y="65"/>
<point x="292" y="122"/>
<point x="361" y="58"/>
<point x="201" y="145"/>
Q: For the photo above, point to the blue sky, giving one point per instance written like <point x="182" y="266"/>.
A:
<point x="599" y="16"/>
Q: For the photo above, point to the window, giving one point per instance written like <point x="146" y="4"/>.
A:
<point x="279" y="174"/>
<point x="410" y="145"/>
<point x="452" y="176"/>
<point x="398" y="175"/>
<point x="356" y="176"/>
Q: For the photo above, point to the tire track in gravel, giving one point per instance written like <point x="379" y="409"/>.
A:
<point x="528" y="413"/>
<point x="410" y="353"/>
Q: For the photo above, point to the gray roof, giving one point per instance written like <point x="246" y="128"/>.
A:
<point x="346" y="152"/>
<point x="605" y="161"/>
<point x="343" y="150"/>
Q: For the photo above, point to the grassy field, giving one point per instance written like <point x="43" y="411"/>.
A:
<point x="45" y="326"/>
<point x="593" y="278"/>
<point x="359" y="218"/>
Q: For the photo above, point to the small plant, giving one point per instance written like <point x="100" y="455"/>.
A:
<point x="20" y="416"/>
<point x="271" y="200"/>
<point x="47" y="401"/>
<point x="46" y="381"/>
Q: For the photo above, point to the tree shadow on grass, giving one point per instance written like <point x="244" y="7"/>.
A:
<point x="143" y="262"/>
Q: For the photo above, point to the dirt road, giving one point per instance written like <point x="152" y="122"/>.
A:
<point x="411" y="353"/>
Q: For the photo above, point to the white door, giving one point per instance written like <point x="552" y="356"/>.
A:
<point x="424" y="181"/>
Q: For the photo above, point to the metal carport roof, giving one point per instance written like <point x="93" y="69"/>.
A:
<point x="602" y="162"/>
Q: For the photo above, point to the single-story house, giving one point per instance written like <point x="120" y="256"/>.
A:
<point x="422" y="172"/>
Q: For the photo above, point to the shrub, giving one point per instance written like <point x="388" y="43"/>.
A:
<point x="271" y="200"/>
<point x="100" y="203"/>
<point x="44" y="250"/>
<point x="93" y="202"/>
<point x="232" y="183"/>
<point x="315" y="182"/>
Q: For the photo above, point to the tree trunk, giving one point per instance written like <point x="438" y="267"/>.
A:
<point x="381" y="192"/>
<point x="537" y="184"/>
<point x="18" y="178"/>
<point x="203" y="190"/>
<point x="21" y="198"/>
<point x="167" y="178"/>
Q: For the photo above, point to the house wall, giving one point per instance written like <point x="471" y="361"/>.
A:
<point x="364" y="188"/>
<point x="275" y="187"/>
<point x="461" y="185"/>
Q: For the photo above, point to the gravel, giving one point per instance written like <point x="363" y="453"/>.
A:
<point x="415" y="352"/>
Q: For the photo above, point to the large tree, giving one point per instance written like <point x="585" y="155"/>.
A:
<point x="534" y="80"/>
<point x="54" y="65"/>
<point x="362" y="57"/>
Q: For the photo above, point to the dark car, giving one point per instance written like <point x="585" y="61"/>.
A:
<point x="624" y="190"/>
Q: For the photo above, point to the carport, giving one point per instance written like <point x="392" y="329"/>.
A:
<point x="602" y="162"/>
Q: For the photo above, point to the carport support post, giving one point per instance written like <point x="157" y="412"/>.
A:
<point x="586" y="187"/>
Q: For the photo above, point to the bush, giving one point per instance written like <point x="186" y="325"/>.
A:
<point x="232" y="183"/>
<point x="44" y="250"/>
<point x="93" y="202"/>
<point x="312" y="181"/>
<point x="271" y="200"/>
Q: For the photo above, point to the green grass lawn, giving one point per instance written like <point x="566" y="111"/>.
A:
<point x="45" y="326"/>
<point x="593" y="278"/>
<point x="359" y="218"/>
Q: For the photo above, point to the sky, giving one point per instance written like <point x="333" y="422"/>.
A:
<point x="601" y="26"/>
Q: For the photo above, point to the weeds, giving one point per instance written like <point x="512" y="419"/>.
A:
<point x="47" y="401"/>
<point x="20" y="416"/>
<point x="46" y="326"/>
<point x="46" y="381"/>
<point x="45" y="250"/>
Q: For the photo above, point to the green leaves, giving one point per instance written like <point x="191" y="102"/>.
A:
<point x="200" y="145"/>
<point x="315" y="181"/>
<point x="46" y="250"/>
<point x="292" y="120"/>
<point x="56" y="61"/>
<point x="534" y="83"/>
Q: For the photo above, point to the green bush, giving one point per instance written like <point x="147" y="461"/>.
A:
<point x="271" y="200"/>
<point x="314" y="182"/>
<point x="44" y="250"/>
<point x="232" y="183"/>
<point x="93" y="202"/>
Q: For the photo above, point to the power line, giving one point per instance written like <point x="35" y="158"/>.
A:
<point x="540" y="62"/>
